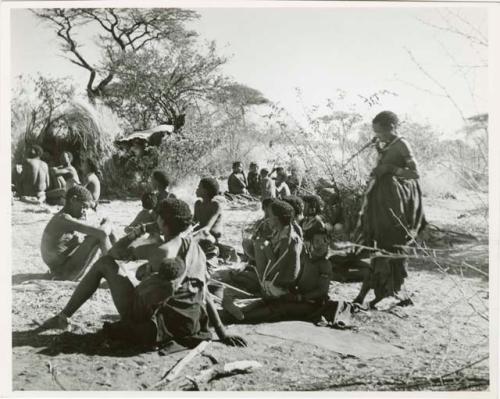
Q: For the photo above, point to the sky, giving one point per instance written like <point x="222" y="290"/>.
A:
<point x="319" y="51"/>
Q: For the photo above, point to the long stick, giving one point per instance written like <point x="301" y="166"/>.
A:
<point x="174" y="371"/>
<point x="274" y="264"/>
<point x="232" y="287"/>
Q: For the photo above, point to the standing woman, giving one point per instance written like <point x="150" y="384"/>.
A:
<point x="392" y="211"/>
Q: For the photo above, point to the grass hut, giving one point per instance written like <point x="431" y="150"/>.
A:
<point x="87" y="132"/>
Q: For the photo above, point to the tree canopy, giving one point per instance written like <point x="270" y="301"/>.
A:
<point x="157" y="86"/>
<point x="120" y="31"/>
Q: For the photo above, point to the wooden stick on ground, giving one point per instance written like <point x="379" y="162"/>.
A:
<point x="174" y="371"/>
<point x="216" y="372"/>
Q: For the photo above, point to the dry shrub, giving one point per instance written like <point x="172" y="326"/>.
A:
<point x="36" y="103"/>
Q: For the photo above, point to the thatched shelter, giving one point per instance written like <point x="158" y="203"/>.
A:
<point x="82" y="129"/>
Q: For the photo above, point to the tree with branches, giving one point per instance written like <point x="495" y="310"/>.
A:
<point x="156" y="86"/>
<point x="122" y="32"/>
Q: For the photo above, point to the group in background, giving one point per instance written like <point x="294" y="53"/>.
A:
<point x="34" y="181"/>
<point x="276" y="183"/>
<point x="287" y="269"/>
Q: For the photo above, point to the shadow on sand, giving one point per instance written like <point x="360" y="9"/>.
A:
<point x="23" y="277"/>
<point x="92" y="344"/>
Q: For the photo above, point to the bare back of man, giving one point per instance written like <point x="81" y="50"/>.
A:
<point x="34" y="178"/>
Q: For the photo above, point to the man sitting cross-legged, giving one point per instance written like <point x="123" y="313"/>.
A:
<point x="67" y="253"/>
<point x="154" y="312"/>
<point x="309" y="294"/>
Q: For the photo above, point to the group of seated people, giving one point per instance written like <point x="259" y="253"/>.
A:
<point x="35" y="181"/>
<point x="287" y="273"/>
<point x="287" y="265"/>
<point x="262" y="183"/>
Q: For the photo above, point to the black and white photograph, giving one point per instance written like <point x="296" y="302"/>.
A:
<point x="250" y="196"/>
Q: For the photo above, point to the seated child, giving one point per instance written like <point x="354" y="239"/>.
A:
<point x="282" y="189"/>
<point x="63" y="177"/>
<point x="253" y="179"/>
<point x="91" y="178"/>
<point x="146" y="215"/>
<point x="207" y="210"/>
<point x="160" y="183"/>
<point x="63" y="250"/>
<point x="298" y="208"/>
<point x="294" y="181"/>
<point x="158" y="280"/>
<point x="61" y="172"/>
<point x="259" y="231"/>
<point x="313" y="206"/>
<point x="267" y="186"/>
<point x="208" y="219"/>
<point x="237" y="182"/>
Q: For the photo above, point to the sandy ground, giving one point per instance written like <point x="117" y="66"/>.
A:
<point x="445" y="331"/>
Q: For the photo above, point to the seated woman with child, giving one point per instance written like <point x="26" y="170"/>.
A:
<point x="171" y="302"/>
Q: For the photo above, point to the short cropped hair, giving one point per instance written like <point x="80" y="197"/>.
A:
<point x="176" y="214"/>
<point x="235" y="164"/>
<point x="267" y="201"/>
<point x="296" y="203"/>
<point x="210" y="185"/>
<point x="80" y="193"/>
<point x="172" y="268"/>
<point x="313" y="201"/>
<point x="149" y="200"/>
<point x="162" y="178"/>
<point x="386" y="119"/>
<point x="283" y="211"/>
<point x="70" y="155"/>
<point x="264" y="172"/>
<point x="35" y="151"/>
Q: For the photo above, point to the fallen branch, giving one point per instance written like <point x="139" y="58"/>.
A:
<point x="218" y="372"/>
<point x="171" y="374"/>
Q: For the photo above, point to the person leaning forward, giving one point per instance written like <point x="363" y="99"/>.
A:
<point x="181" y="314"/>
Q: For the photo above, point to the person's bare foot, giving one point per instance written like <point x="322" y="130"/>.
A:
<point x="57" y="322"/>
